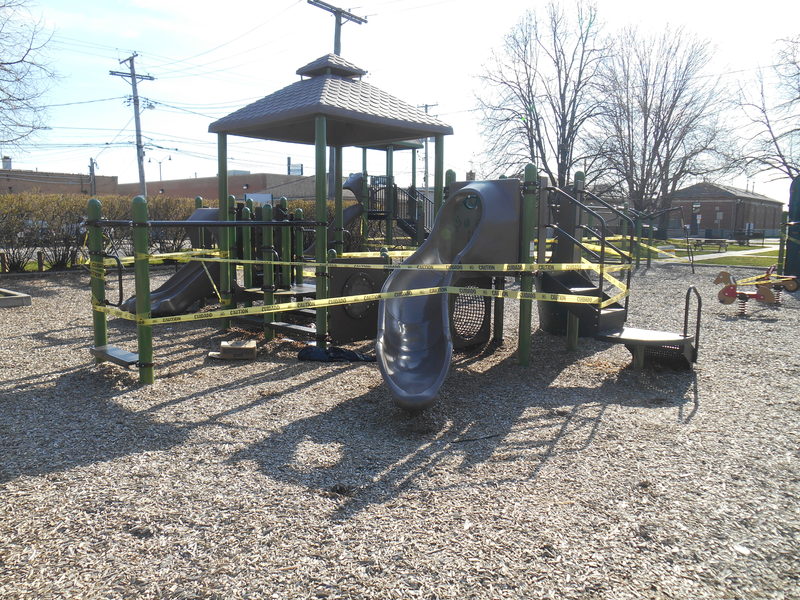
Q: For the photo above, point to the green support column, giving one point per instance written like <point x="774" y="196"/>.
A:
<point x="298" y="247"/>
<point x="141" y="266"/>
<point x="224" y="236"/>
<point x="782" y="242"/>
<point x="247" y="252"/>
<point x="338" y="207"/>
<point x="268" y="254"/>
<point x="530" y="211"/>
<point x="389" y="196"/>
<point x="94" y="212"/>
<point x="321" y="215"/>
<point x="650" y="243"/>
<point x="438" y="175"/>
<point x="793" y="231"/>
<point x="414" y="168"/>
<point x="364" y="196"/>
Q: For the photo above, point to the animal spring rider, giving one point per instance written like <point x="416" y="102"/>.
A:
<point x="769" y="287"/>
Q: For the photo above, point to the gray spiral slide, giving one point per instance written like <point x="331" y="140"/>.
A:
<point x="479" y="223"/>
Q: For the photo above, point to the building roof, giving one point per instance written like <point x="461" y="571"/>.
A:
<point x="358" y="113"/>
<point x="717" y="191"/>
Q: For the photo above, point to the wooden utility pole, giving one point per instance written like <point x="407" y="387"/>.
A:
<point x="342" y="16"/>
<point x="134" y="79"/>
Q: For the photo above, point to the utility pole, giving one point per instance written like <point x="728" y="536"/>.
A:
<point x="425" y="176"/>
<point x="92" y="180"/>
<point x="139" y="147"/>
<point x="340" y="14"/>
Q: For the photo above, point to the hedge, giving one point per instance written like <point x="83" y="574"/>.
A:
<point x="55" y="225"/>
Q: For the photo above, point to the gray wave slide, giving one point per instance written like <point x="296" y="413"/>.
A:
<point x="479" y="223"/>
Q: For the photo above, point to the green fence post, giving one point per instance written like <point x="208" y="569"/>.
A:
<point x="637" y="251"/>
<point x="247" y="252"/>
<point x="321" y="215"/>
<point x="198" y="204"/>
<point x="650" y="243"/>
<point x="268" y="255"/>
<point x="529" y="215"/>
<point x="141" y="266"/>
<point x="286" y="247"/>
<point x="97" y="274"/>
<point x="299" y="248"/>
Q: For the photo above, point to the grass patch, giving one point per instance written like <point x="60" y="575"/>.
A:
<point x="749" y="260"/>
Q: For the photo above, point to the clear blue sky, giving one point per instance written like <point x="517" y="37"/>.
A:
<point x="207" y="64"/>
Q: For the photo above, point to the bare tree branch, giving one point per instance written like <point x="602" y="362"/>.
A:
<point x="23" y="73"/>
<point x="538" y="92"/>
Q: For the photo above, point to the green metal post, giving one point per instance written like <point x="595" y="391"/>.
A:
<point x="338" y="207"/>
<point x="782" y="242"/>
<point x="141" y="266"/>
<point x="650" y="243"/>
<point x="573" y="327"/>
<point x="286" y="249"/>
<point x="247" y="252"/>
<point x="792" y="264"/>
<point x="438" y="175"/>
<point x="298" y="247"/>
<point x="637" y="250"/>
<point x="414" y="168"/>
<point x="225" y="269"/>
<point x="198" y="203"/>
<point x="364" y="195"/>
<point x="529" y="216"/>
<point x="321" y="215"/>
<point x="420" y="223"/>
<point x="449" y="180"/>
<point x="389" y="196"/>
<point x="94" y="212"/>
<point x="268" y="254"/>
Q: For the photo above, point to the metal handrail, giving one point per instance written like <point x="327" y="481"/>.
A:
<point x="697" y="319"/>
<point x="602" y="225"/>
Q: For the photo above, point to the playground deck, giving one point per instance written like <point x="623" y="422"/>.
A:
<point x="575" y="478"/>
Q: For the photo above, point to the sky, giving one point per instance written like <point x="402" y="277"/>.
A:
<point x="207" y="63"/>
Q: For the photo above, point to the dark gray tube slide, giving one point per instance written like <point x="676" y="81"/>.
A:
<point x="479" y="223"/>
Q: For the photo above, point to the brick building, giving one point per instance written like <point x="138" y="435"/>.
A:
<point x="291" y="186"/>
<point x="715" y="210"/>
<point x="14" y="181"/>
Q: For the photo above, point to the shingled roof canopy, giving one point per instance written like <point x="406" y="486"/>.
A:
<point x="358" y="114"/>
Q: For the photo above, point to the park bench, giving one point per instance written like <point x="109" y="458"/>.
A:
<point x="699" y="243"/>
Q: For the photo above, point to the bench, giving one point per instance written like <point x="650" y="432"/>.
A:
<point x="698" y="243"/>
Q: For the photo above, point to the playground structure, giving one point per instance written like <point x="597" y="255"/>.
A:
<point x="471" y="236"/>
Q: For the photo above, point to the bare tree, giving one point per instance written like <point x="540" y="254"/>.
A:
<point x="661" y="120"/>
<point x="538" y="94"/>
<point x="23" y="74"/>
<point x="774" y="114"/>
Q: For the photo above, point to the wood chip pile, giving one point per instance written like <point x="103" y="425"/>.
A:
<point x="575" y="478"/>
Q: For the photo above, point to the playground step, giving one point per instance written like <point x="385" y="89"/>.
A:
<point x="116" y="355"/>
<point x="647" y="345"/>
<point x="293" y="330"/>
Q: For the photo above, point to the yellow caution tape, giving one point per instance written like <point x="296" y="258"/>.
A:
<point x="390" y="253"/>
<point x="326" y="302"/>
<point x="504" y="267"/>
<point x="654" y="249"/>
